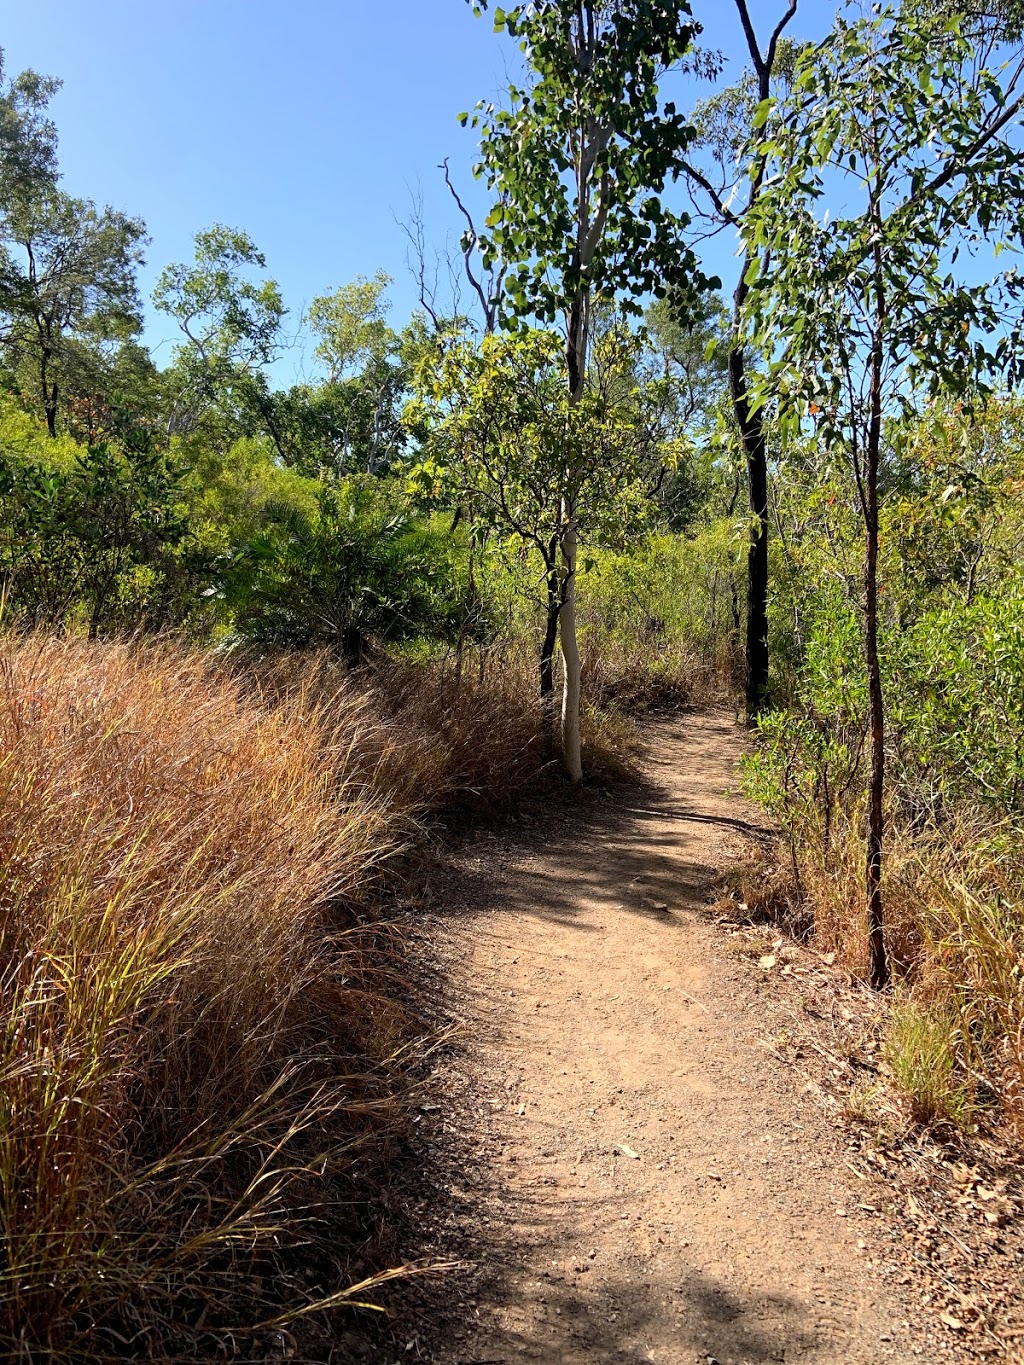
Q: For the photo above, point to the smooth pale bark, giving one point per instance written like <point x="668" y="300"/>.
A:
<point x="571" y="669"/>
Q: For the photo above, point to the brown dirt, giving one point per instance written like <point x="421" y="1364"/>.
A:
<point x="631" y="1172"/>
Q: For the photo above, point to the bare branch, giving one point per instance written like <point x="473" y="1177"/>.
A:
<point x="489" y="295"/>
<point x="721" y="207"/>
<point x="414" y="231"/>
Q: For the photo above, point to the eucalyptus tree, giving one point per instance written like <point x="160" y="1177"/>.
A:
<point x="366" y="376"/>
<point x="519" y="455"/>
<point x="725" y="175"/>
<point x="67" y="268"/>
<point x="28" y="137"/>
<point x="578" y="162"/>
<point x="231" y="319"/>
<point x="68" y="274"/>
<point x="869" y="310"/>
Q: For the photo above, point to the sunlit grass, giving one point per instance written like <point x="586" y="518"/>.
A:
<point x="955" y="927"/>
<point x="199" y="1062"/>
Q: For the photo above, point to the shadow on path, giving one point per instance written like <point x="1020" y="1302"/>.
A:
<point x="619" y="1161"/>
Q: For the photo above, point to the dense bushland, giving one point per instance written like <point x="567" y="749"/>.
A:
<point x="256" y="637"/>
<point x="204" y="1040"/>
<point x="952" y="644"/>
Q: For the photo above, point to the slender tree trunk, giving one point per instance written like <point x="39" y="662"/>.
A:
<point x="571" y="667"/>
<point x="547" y="657"/>
<point x="50" y="394"/>
<point x="879" y="968"/>
<point x="756" y="451"/>
<point x="878" y="963"/>
<point x="750" y="424"/>
<point x="577" y="347"/>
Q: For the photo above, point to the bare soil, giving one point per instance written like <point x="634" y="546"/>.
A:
<point x="622" y="1163"/>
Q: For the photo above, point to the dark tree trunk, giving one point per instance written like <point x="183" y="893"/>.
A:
<point x="750" y="424"/>
<point x="878" y="963"/>
<point x="50" y="394"/>
<point x="353" y="645"/>
<point x="879" y="967"/>
<point x="547" y="660"/>
<point x="756" y="451"/>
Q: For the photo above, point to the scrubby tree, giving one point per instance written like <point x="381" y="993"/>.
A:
<point x="578" y="162"/>
<point x="692" y="353"/>
<point x="28" y="137"/>
<point x="71" y="538"/>
<point x="865" y="312"/>
<point x="366" y="374"/>
<point x="520" y="456"/>
<point x="67" y="276"/>
<point x="231" y="318"/>
<point x="67" y="268"/>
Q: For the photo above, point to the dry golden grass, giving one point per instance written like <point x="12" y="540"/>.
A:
<point x="955" y="932"/>
<point x="198" y="1065"/>
<point x="186" y="1031"/>
<point x="657" y="673"/>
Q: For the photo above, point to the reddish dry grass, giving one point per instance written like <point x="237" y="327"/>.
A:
<point x="186" y="1027"/>
<point x="199" y="1052"/>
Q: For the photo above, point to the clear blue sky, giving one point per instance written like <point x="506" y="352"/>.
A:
<point x="302" y="121"/>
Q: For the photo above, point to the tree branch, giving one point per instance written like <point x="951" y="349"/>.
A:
<point x="721" y="207"/>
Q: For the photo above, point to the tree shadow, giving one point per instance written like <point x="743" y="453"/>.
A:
<point x="640" y="851"/>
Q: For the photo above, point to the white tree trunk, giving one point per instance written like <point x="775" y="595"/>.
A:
<point x="571" y="754"/>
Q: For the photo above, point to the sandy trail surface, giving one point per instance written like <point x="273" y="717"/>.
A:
<point x="637" y="1178"/>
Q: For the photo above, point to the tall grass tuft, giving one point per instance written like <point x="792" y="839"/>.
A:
<point x="199" y="1070"/>
<point x="955" y="928"/>
<point x="922" y="1053"/>
<point x="190" y="1058"/>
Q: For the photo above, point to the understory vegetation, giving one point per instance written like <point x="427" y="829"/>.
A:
<point x="260" y="642"/>
<point x="953" y="647"/>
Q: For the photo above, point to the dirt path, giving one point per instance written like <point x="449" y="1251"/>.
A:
<point x="643" y="1185"/>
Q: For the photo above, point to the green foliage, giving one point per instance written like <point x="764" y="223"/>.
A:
<point x="690" y="342"/>
<point x="509" y="446"/>
<point x="28" y="137"/>
<point x="232" y="493"/>
<point x="351" y="325"/>
<point x="94" y="539"/>
<point x="587" y="140"/>
<point x="670" y="588"/>
<point x="356" y="567"/>
<point x="957" y="706"/>
<point x="917" y="180"/>
<point x="67" y="279"/>
<point x="231" y="319"/>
